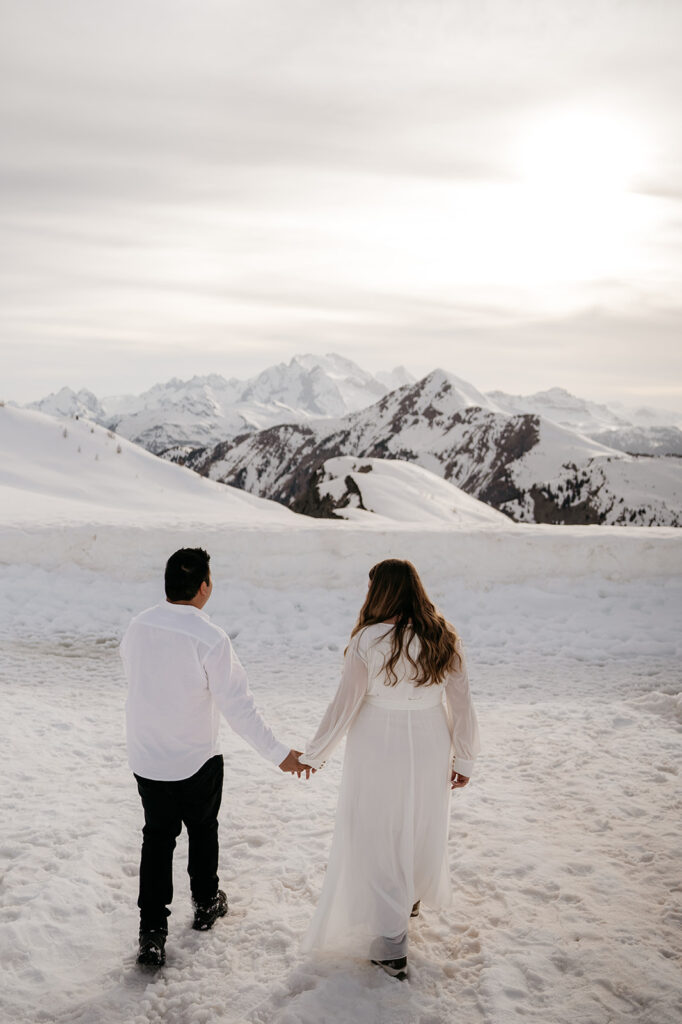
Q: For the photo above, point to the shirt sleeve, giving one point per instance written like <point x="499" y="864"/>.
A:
<point x="229" y="685"/>
<point x="342" y="710"/>
<point x="462" y="717"/>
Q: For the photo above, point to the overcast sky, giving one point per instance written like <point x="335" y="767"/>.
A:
<point x="490" y="186"/>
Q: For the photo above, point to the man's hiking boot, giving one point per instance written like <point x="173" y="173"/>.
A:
<point x="415" y="909"/>
<point x="206" y="914"/>
<point x="152" y="952"/>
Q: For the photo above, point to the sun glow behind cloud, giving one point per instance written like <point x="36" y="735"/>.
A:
<point x="382" y="181"/>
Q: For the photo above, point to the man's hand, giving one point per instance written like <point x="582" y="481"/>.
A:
<point x="292" y="764"/>
<point x="458" y="780"/>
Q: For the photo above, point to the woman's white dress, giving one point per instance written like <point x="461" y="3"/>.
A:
<point x="390" y="840"/>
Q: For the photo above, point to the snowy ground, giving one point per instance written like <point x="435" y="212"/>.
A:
<point x="564" y="849"/>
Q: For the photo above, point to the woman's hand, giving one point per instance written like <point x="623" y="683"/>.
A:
<point x="458" y="780"/>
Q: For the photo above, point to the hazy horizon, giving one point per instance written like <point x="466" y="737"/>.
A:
<point x="490" y="187"/>
<point x="102" y="395"/>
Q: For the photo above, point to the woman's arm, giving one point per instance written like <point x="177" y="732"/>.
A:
<point x="342" y="710"/>
<point x="462" y="718"/>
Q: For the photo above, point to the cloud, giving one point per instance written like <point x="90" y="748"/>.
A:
<point x="263" y="175"/>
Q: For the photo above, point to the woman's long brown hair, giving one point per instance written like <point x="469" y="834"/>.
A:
<point x="395" y="591"/>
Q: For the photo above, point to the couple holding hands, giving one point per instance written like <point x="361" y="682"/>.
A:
<point x="404" y="704"/>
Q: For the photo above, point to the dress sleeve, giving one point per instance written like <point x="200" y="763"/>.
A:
<point x="229" y="685"/>
<point x="342" y="710"/>
<point x="462" y="717"/>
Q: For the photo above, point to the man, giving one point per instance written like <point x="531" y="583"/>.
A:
<point x="182" y="672"/>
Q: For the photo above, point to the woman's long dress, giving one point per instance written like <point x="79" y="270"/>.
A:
<point x="390" y="840"/>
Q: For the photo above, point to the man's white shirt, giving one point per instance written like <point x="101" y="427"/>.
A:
<point x="182" y="672"/>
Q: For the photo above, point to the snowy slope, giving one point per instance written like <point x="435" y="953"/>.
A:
<point x="77" y="472"/>
<point x="564" y="849"/>
<point x="400" y="491"/>
<point x="626" y="490"/>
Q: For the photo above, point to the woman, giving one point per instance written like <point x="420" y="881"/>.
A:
<point x="404" y="701"/>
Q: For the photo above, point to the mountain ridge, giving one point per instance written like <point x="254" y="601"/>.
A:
<point x="528" y="467"/>
<point x="207" y="409"/>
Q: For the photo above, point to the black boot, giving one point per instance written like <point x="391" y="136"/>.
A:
<point x="152" y="952"/>
<point x="396" y="968"/>
<point x="206" y="914"/>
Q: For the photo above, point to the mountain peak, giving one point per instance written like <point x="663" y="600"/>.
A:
<point x="464" y="394"/>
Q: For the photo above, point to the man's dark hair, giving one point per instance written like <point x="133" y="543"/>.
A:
<point x="186" y="570"/>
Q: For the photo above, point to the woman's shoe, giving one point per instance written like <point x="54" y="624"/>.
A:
<point x="415" y="909"/>
<point x="396" y="968"/>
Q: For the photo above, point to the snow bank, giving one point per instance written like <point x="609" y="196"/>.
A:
<point x="333" y="554"/>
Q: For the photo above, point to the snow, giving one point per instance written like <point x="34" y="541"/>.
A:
<point x="564" y="848"/>
<point x="561" y="407"/>
<point x="556" y="447"/>
<point x="643" y="440"/>
<point x="78" y="472"/>
<point x="402" y="491"/>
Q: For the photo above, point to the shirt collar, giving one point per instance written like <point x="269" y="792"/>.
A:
<point x="186" y="609"/>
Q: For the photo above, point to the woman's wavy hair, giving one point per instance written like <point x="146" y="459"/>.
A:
<point x="395" y="591"/>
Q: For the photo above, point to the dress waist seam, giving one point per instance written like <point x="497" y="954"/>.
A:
<point x="417" y="704"/>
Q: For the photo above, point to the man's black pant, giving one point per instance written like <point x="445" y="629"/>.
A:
<point x="196" y="802"/>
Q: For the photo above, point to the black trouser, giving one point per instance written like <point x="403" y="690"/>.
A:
<point x="196" y="802"/>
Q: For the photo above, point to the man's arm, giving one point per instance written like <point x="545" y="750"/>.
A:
<point x="229" y="685"/>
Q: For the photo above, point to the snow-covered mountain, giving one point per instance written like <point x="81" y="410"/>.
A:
<point x="71" y="404"/>
<point x="80" y="472"/>
<point x="646" y="416"/>
<point x="528" y="467"/>
<point x="636" y="431"/>
<point x="561" y="407"/>
<point x="642" y="440"/>
<point x="205" y="410"/>
<point x="178" y="416"/>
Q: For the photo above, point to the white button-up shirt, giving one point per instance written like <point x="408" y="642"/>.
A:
<point x="182" y="672"/>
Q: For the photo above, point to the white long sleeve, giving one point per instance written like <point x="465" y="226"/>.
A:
<point x="462" y="717"/>
<point x="229" y="685"/>
<point x="342" y="709"/>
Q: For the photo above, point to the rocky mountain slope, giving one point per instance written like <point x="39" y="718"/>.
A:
<point x="526" y="466"/>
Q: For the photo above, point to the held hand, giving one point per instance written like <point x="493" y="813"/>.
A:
<point x="458" y="780"/>
<point x="292" y="764"/>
